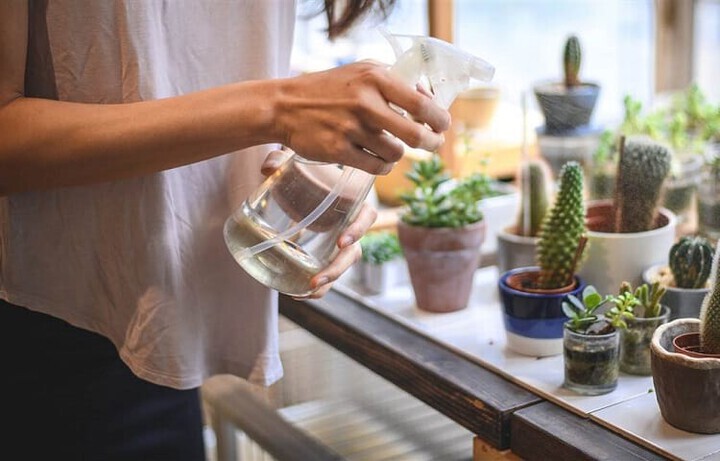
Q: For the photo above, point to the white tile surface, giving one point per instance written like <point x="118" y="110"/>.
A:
<point x="640" y="419"/>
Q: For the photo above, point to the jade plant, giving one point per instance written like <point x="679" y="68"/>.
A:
<point x="562" y="234"/>
<point x="380" y="247"/>
<point x="572" y="58"/>
<point x="643" y="166"/>
<point x="585" y="316"/>
<point x="436" y="202"/>
<point x="710" y="315"/>
<point x="533" y="198"/>
<point x="690" y="261"/>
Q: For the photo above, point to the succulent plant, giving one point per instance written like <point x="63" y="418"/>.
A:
<point x="432" y="204"/>
<point x="648" y="297"/>
<point x="380" y="247"/>
<point x="534" y="179"/>
<point x="690" y="261"/>
<point x="572" y="58"/>
<point x="643" y="166"/>
<point x="561" y="237"/>
<point x="710" y="315"/>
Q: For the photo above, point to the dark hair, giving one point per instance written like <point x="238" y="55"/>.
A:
<point x="341" y="20"/>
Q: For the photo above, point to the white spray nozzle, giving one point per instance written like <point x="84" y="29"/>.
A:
<point x="447" y="68"/>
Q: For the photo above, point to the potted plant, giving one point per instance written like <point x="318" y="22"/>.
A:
<point x="685" y="277"/>
<point x="602" y="168"/>
<point x="709" y="197"/>
<point x="591" y="346"/>
<point x="568" y="104"/>
<point x="648" y="314"/>
<point x="532" y="296"/>
<point x="441" y="232"/>
<point x="686" y="366"/>
<point x="628" y="234"/>
<point x="516" y="244"/>
<point x="381" y="265"/>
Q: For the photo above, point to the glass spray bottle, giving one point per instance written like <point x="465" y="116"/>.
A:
<point x="286" y="231"/>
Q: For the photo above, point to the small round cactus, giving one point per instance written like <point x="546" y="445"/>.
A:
<point x="572" y="58"/>
<point x="691" y="261"/>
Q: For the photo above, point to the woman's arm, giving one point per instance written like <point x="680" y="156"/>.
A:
<point x="327" y="116"/>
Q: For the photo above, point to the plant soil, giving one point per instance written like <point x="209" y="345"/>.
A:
<point x="591" y="368"/>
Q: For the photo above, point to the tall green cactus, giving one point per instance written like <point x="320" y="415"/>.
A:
<point x="534" y="178"/>
<point x="562" y="230"/>
<point x="572" y="57"/>
<point x="710" y="314"/>
<point x="643" y="167"/>
<point x="690" y="261"/>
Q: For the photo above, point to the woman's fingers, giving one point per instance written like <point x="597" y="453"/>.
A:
<point x="273" y="161"/>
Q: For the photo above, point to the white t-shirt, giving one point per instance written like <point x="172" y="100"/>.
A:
<point x="143" y="261"/>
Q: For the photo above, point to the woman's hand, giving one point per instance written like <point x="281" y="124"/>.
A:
<point x="348" y="242"/>
<point x="343" y="115"/>
<point x="350" y="252"/>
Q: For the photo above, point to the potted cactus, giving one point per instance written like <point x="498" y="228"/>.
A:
<point x="685" y="277"/>
<point x="686" y="366"/>
<point x="532" y="296"/>
<point x="628" y="234"/>
<point x="591" y="346"/>
<point x="648" y="314"/>
<point x="569" y="104"/>
<point x="441" y="232"/>
<point x="516" y="244"/>
<point x="709" y="197"/>
<point x="381" y="265"/>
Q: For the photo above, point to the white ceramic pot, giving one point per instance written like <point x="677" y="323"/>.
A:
<point x="611" y="258"/>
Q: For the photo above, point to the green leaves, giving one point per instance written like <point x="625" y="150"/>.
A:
<point x="622" y="310"/>
<point x="582" y="313"/>
<point x="380" y="247"/>
<point x="433" y="203"/>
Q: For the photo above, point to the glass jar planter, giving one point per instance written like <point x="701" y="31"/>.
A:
<point x="591" y="362"/>
<point x="635" y="343"/>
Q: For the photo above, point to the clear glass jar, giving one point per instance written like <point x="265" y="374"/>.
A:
<point x="635" y="343"/>
<point x="591" y="362"/>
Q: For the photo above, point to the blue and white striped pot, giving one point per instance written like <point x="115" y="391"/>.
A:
<point x="534" y="320"/>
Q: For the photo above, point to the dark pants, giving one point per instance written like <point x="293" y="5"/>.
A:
<point x="66" y="395"/>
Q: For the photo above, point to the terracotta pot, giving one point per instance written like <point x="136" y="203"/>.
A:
<point x="687" y="388"/>
<point x="611" y="258"/>
<point x="533" y="320"/>
<point x="442" y="262"/>
<point x="689" y="344"/>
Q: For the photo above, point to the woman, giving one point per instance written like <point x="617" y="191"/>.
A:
<point x="130" y="131"/>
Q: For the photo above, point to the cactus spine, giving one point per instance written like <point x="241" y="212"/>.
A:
<point x="644" y="165"/>
<point x="572" y="58"/>
<point x="691" y="261"/>
<point x="562" y="231"/>
<point x="710" y="315"/>
<point x="534" y="198"/>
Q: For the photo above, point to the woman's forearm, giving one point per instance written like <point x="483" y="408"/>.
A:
<point x="49" y="143"/>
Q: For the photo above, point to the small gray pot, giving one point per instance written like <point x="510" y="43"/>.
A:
<point x="682" y="302"/>
<point x="514" y="250"/>
<point x="566" y="108"/>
